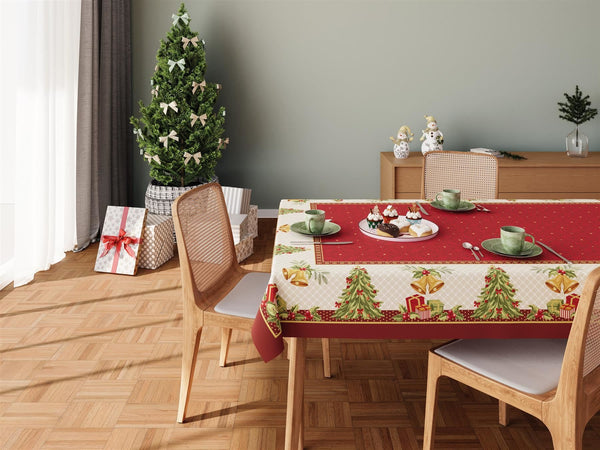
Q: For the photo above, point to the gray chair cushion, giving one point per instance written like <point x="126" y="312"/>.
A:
<point x="529" y="365"/>
<point x="245" y="297"/>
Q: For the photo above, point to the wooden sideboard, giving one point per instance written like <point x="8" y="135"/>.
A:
<point x="551" y="175"/>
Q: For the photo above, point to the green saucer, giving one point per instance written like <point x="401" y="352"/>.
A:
<point x="462" y="207"/>
<point x="329" y="229"/>
<point x="495" y="246"/>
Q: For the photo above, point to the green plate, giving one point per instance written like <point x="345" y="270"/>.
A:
<point x="462" y="207"/>
<point x="329" y="229"/>
<point x="495" y="246"/>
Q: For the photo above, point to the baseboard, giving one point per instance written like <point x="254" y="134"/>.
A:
<point x="268" y="213"/>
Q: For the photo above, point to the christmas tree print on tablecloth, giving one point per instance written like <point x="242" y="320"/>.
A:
<point x="497" y="298"/>
<point x="358" y="299"/>
<point x="180" y="131"/>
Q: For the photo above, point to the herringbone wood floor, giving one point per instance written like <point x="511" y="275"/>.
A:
<point x="91" y="360"/>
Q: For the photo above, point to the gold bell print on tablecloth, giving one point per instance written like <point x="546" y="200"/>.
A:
<point x="295" y="276"/>
<point x="562" y="283"/>
<point x="426" y="283"/>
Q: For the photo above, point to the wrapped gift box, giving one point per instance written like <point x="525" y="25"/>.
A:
<point x="413" y="301"/>
<point x="157" y="241"/>
<point x="253" y="221"/>
<point x="573" y="300"/>
<point x="119" y="247"/>
<point x="566" y="311"/>
<point x="553" y="306"/>
<point x="239" y="226"/>
<point x="437" y="307"/>
<point x="245" y="248"/>
<point x="424" y="311"/>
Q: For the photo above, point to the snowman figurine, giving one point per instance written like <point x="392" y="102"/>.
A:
<point x="401" y="148"/>
<point x="432" y="135"/>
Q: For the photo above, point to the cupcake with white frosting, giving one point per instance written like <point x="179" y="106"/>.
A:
<point x="389" y="214"/>
<point x="374" y="218"/>
<point x="413" y="215"/>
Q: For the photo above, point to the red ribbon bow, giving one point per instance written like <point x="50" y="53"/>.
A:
<point x="121" y="240"/>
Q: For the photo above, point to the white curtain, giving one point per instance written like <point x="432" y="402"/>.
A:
<point x="39" y="48"/>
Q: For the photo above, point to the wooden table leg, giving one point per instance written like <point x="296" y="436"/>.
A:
<point x="294" y="423"/>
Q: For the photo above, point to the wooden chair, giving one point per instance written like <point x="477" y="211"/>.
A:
<point x="555" y="380"/>
<point x="216" y="290"/>
<point x="475" y="174"/>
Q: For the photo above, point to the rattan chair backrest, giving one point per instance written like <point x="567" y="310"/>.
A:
<point x="582" y="354"/>
<point x="475" y="174"/>
<point x="204" y="237"/>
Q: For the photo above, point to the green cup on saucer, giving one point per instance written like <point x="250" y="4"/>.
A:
<point x="314" y="220"/>
<point x="449" y="198"/>
<point x="513" y="239"/>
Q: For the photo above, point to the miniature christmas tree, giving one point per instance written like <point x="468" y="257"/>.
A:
<point x="497" y="297"/>
<point x="577" y="109"/>
<point x="358" y="299"/>
<point x="180" y="132"/>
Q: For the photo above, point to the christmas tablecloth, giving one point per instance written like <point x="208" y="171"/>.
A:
<point x="432" y="288"/>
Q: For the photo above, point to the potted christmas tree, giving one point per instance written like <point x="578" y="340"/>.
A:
<point x="577" y="109"/>
<point x="180" y="133"/>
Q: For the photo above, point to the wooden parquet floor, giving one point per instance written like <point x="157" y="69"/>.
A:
<point x="91" y="360"/>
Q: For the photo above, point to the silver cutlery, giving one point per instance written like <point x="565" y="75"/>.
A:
<point x="553" y="251"/>
<point x="422" y="209"/>
<point x="468" y="246"/>
<point x="322" y="243"/>
<point x="482" y="208"/>
<point x="477" y="250"/>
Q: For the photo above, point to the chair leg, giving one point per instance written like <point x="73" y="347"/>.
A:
<point x="189" y="354"/>
<point x="503" y="413"/>
<point x="225" y="338"/>
<point x="434" y="371"/>
<point x="326" y="358"/>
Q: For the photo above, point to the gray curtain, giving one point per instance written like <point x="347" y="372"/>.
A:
<point x="104" y="139"/>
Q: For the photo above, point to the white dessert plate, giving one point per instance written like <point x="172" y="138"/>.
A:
<point x="405" y="237"/>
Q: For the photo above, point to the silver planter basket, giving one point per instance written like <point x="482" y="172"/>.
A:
<point x="159" y="199"/>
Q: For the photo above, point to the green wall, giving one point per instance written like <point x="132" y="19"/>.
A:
<point x="314" y="89"/>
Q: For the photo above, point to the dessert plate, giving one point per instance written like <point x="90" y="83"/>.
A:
<point x="405" y="237"/>
<point x="462" y="207"/>
<point x="495" y="246"/>
<point x="328" y="229"/>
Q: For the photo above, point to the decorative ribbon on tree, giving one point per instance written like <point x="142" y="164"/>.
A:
<point x="196" y="85"/>
<point x="152" y="157"/>
<point x="427" y="279"/>
<point x="154" y="91"/>
<point x="358" y="299"/>
<point x="223" y="142"/>
<point x="165" y="139"/>
<point x="138" y="132"/>
<point x="202" y="118"/>
<point x="185" y="18"/>
<point x="172" y="64"/>
<point x="165" y="106"/>
<point x="186" y="41"/>
<point x="189" y="156"/>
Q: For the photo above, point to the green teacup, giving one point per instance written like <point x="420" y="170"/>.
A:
<point x="314" y="220"/>
<point x="449" y="198"/>
<point x="513" y="239"/>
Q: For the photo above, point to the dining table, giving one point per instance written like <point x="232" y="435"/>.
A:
<point x="350" y="281"/>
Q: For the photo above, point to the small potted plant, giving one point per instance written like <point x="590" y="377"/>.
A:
<point x="180" y="132"/>
<point x="577" y="109"/>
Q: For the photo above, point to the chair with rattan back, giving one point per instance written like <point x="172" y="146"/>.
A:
<point x="554" y="380"/>
<point x="217" y="291"/>
<point x="475" y="174"/>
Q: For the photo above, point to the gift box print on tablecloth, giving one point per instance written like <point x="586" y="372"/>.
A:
<point x="157" y="241"/>
<point x="120" y="240"/>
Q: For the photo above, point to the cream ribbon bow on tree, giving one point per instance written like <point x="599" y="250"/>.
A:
<point x="201" y="85"/>
<point x="186" y="41"/>
<point x="154" y="91"/>
<point x="166" y="106"/>
<point x="165" y="139"/>
<point x="184" y="18"/>
<point x="223" y="142"/>
<point x="152" y="157"/>
<point x="180" y="63"/>
<point x="202" y="118"/>
<point x="189" y="156"/>
<point x="138" y="132"/>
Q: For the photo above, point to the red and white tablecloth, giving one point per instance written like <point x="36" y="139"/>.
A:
<point x="427" y="289"/>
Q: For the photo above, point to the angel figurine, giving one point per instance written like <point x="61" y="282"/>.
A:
<point x="432" y="135"/>
<point x="401" y="148"/>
